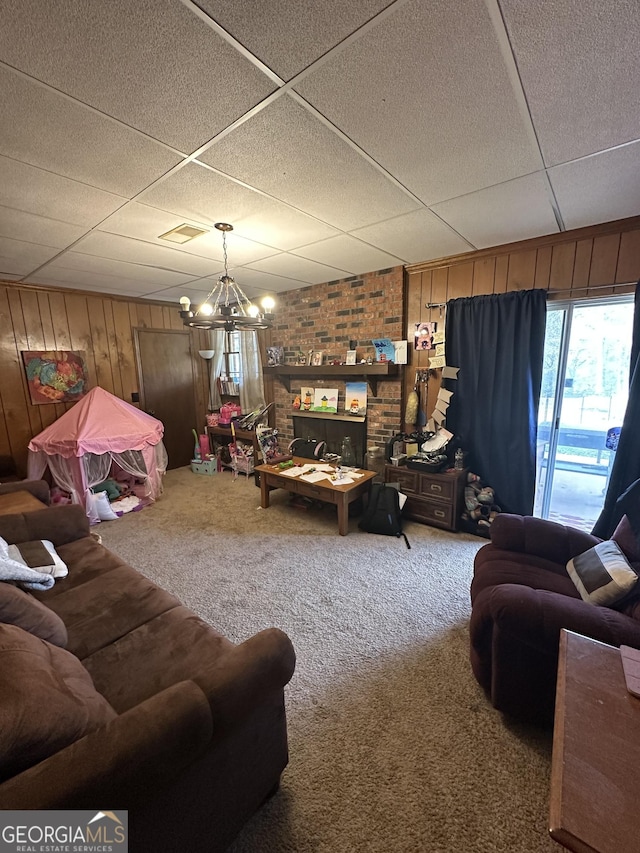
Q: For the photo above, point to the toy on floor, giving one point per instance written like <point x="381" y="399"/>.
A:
<point x="480" y="509"/>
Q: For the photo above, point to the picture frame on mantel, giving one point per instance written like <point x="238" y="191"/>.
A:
<point x="351" y="356"/>
<point x="316" y="358"/>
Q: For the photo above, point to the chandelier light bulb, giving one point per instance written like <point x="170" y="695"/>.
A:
<point x="185" y="303"/>
<point x="206" y="308"/>
<point x="253" y="310"/>
<point x="268" y="303"/>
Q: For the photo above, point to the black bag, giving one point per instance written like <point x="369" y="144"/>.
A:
<point x="307" y="448"/>
<point x="382" y="514"/>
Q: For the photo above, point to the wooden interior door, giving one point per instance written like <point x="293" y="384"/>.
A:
<point x="167" y="387"/>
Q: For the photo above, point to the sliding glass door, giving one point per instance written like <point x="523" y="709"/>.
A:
<point x="582" y="403"/>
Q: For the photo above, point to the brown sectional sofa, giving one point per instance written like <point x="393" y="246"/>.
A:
<point x="147" y="709"/>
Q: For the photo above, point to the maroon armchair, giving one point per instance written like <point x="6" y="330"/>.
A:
<point x="522" y="595"/>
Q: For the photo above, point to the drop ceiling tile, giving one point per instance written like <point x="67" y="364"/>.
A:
<point x="197" y="290"/>
<point x="142" y="222"/>
<point x="348" y="253"/>
<point x="199" y="194"/>
<point x="414" y="237"/>
<point x="291" y="266"/>
<point x="257" y="282"/>
<point x="117" y="269"/>
<point x="18" y="258"/>
<point x="36" y="191"/>
<point x="584" y="96"/>
<point x="119" y="248"/>
<point x="439" y="113"/>
<point x="287" y="152"/>
<point x="600" y="188"/>
<point x="515" y="210"/>
<point x="52" y="132"/>
<point x="92" y="281"/>
<point x="155" y="66"/>
<point x="37" y="229"/>
<point x="288" y="35"/>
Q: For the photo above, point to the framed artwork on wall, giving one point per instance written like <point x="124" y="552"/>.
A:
<point x="55" y="376"/>
<point x="325" y="400"/>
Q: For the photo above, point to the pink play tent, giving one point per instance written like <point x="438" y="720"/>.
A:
<point x="99" y="432"/>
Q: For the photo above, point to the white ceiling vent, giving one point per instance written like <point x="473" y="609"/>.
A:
<point x="183" y="233"/>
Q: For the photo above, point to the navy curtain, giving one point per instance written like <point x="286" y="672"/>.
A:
<point x="497" y="341"/>
<point x="626" y="466"/>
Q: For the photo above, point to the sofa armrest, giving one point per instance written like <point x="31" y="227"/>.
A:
<point x="535" y="617"/>
<point x="38" y="488"/>
<point x="540" y="537"/>
<point x="248" y="673"/>
<point x="59" y="524"/>
<point x="142" y="749"/>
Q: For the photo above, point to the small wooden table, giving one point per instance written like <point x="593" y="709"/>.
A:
<point x="272" y="477"/>
<point x="595" y="771"/>
<point x="22" y="501"/>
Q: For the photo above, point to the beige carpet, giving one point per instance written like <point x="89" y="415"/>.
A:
<point x="393" y="745"/>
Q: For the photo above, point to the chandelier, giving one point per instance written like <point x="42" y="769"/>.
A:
<point x="227" y="306"/>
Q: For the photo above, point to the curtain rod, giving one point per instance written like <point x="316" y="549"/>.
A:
<point x="552" y="293"/>
<point x="588" y="287"/>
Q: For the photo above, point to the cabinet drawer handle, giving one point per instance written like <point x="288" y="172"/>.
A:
<point x="439" y="513"/>
<point x="434" y="487"/>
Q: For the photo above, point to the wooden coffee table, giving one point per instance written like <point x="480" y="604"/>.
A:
<point x="271" y="477"/>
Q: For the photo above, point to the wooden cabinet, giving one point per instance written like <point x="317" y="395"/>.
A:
<point x="435" y="499"/>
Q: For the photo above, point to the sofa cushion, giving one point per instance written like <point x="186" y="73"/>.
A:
<point x="18" y="607"/>
<point x="47" y="701"/>
<point x="602" y="574"/>
<point x="107" y="607"/>
<point x="183" y="646"/>
<point x="87" y="560"/>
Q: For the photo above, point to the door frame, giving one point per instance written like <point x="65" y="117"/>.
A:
<point x="136" y="347"/>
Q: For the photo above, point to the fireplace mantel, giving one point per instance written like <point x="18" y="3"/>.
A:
<point x="370" y="373"/>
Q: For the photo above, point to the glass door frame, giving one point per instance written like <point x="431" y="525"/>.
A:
<point x="568" y="306"/>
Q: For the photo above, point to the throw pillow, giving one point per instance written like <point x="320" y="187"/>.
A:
<point x="103" y="507"/>
<point x="602" y="574"/>
<point x="47" y="701"/>
<point x="18" y="607"/>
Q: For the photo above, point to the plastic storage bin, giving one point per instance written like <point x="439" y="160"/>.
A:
<point x="208" y="466"/>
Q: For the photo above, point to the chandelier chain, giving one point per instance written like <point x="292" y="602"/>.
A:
<point x="224" y="252"/>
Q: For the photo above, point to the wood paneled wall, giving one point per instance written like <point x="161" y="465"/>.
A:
<point x="102" y="326"/>
<point x="581" y="264"/>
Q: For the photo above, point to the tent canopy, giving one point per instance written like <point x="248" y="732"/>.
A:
<point x="99" y="423"/>
<point x="82" y="445"/>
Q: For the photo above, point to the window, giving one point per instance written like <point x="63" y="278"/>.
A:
<point x="231" y="372"/>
